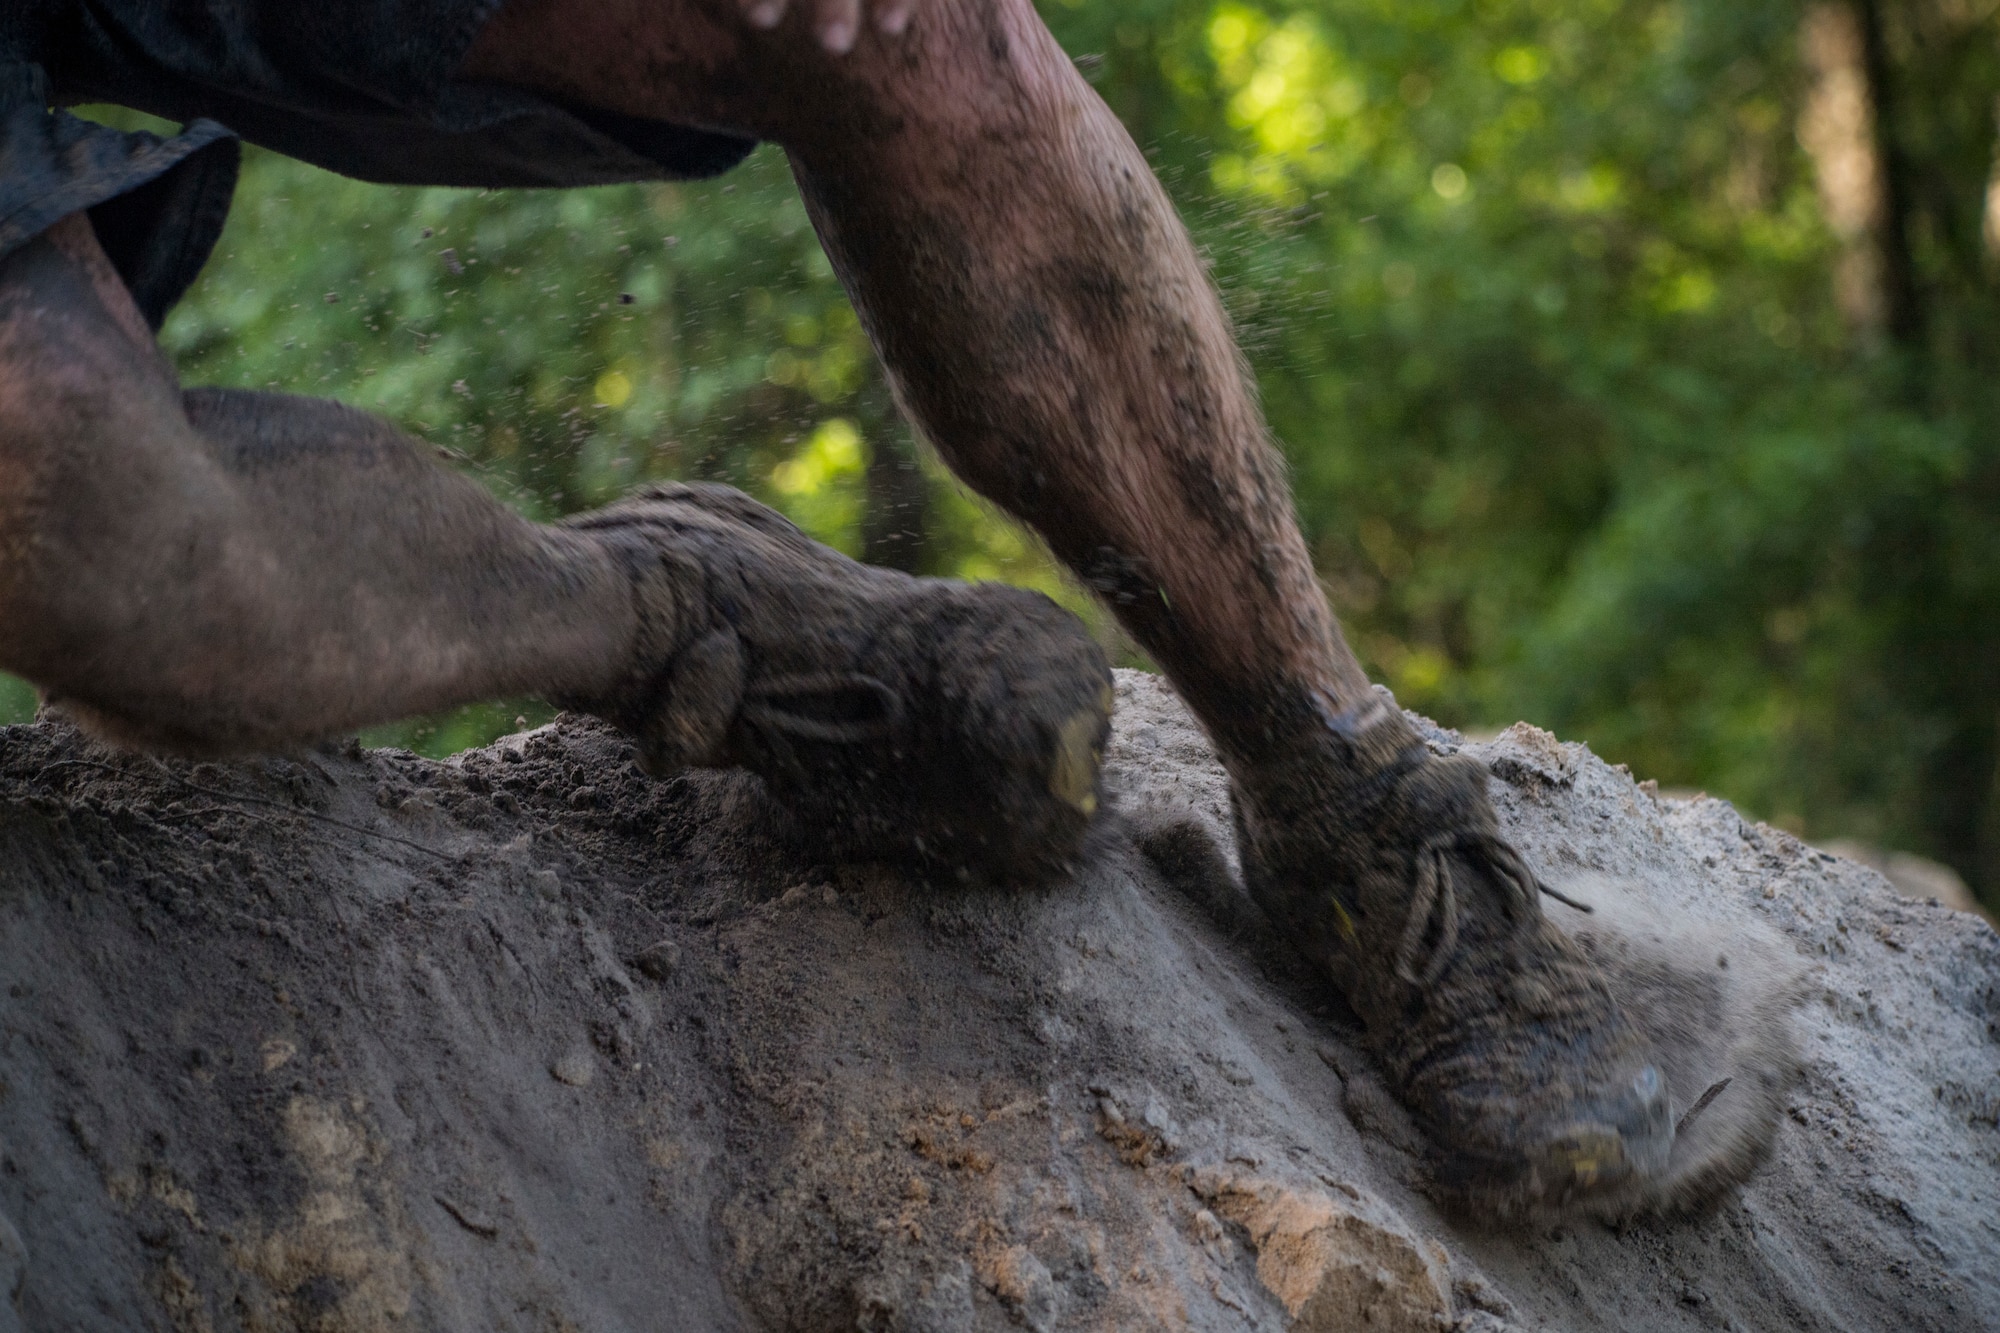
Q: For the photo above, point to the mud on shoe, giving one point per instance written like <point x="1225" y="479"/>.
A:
<point x="1494" y="1029"/>
<point x="891" y="717"/>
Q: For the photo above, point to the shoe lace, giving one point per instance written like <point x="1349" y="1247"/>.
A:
<point x="828" y="707"/>
<point x="1434" y="905"/>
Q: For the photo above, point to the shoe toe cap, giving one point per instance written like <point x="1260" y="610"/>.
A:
<point x="1625" y="1133"/>
<point x="1595" y="1147"/>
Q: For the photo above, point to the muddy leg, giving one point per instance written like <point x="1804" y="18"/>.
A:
<point x="215" y="571"/>
<point x="1047" y="323"/>
<point x="1036" y="300"/>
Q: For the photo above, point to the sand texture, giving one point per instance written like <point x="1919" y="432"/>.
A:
<point x="527" y="1041"/>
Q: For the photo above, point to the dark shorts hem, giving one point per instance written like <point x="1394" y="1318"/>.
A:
<point x="157" y="204"/>
<point x="365" y="88"/>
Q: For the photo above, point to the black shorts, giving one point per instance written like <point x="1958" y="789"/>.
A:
<point x="367" y="88"/>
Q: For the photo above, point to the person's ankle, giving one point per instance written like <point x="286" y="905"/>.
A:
<point x="666" y="619"/>
<point x="1310" y="753"/>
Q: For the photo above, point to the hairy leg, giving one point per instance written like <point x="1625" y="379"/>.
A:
<point x="1037" y="302"/>
<point x="1047" y="322"/>
<point x="214" y="571"/>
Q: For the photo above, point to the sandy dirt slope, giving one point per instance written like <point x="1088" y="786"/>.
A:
<point x="526" y="1041"/>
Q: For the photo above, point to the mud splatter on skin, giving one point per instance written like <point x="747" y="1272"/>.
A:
<point x="1040" y="311"/>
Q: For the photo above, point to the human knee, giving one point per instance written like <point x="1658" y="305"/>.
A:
<point x="49" y="404"/>
<point x="54" y="397"/>
<point x="93" y="448"/>
<point x="75" y="356"/>
<point x="75" y="407"/>
<point x="956" y="67"/>
<point x="963" y="68"/>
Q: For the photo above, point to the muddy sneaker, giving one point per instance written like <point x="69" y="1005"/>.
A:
<point x="891" y="717"/>
<point x="1495" y="1031"/>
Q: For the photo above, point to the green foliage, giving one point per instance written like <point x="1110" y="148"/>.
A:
<point x="17" y="700"/>
<point x="1541" y="300"/>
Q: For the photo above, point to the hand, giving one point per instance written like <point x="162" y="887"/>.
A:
<point x="837" y="22"/>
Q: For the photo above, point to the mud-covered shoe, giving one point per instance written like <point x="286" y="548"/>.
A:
<point x="891" y="716"/>
<point x="1495" y="1030"/>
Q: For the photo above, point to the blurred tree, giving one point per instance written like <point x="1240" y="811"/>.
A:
<point x="1542" y="301"/>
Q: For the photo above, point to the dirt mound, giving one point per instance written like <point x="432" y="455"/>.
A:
<point x="526" y="1040"/>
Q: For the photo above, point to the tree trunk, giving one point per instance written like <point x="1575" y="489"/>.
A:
<point x="1902" y="309"/>
<point x="1848" y="127"/>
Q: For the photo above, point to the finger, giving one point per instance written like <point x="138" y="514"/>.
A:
<point x="892" y="16"/>
<point x="839" y="25"/>
<point x="763" y="13"/>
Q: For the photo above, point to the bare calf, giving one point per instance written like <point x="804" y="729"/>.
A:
<point x="1036" y="300"/>
<point x="215" y="571"/>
